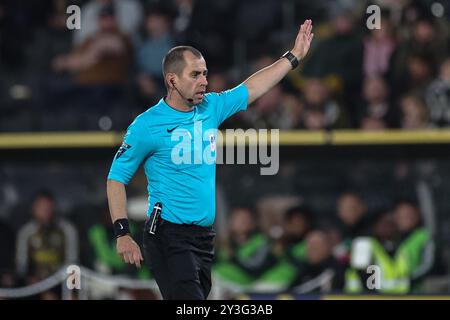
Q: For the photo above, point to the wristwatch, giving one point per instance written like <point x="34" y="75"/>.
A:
<point x="292" y="59"/>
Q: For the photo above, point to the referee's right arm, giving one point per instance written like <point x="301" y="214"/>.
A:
<point x="127" y="248"/>
<point x="136" y="147"/>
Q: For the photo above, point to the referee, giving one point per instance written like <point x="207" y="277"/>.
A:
<point x="178" y="233"/>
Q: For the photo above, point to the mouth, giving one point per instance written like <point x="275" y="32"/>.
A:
<point x="200" y="94"/>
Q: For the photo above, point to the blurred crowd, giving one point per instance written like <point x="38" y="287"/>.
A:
<point x="292" y="250"/>
<point x="303" y="254"/>
<point x="48" y="241"/>
<point x="101" y="76"/>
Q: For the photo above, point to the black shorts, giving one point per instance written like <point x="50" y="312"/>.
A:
<point x="180" y="258"/>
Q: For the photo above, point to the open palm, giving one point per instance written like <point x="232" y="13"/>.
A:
<point x="303" y="40"/>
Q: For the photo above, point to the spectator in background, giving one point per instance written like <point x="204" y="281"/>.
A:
<point x="419" y="74"/>
<point x="381" y="250"/>
<point x="372" y="124"/>
<point x="244" y="254"/>
<point x="46" y="243"/>
<point x="218" y="81"/>
<point x="400" y="246"/>
<point x="266" y="111"/>
<point x="290" y="250"/>
<point x="376" y="105"/>
<point x="275" y="109"/>
<point x="209" y="28"/>
<point x="129" y="18"/>
<point x="438" y="97"/>
<point x="101" y="64"/>
<point x="428" y="39"/>
<point x="340" y="56"/>
<point x="50" y="41"/>
<point x="52" y="90"/>
<point x="103" y="58"/>
<point x="415" y="241"/>
<point x="149" y="54"/>
<point x="352" y="222"/>
<point x="298" y="221"/>
<point x="321" y="270"/>
<point x="321" y="111"/>
<point x="7" y="244"/>
<point x="294" y="111"/>
<point x="378" y="49"/>
<point x="414" y="113"/>
<point x="415" y="61"/>
<point x="255" y="26"/>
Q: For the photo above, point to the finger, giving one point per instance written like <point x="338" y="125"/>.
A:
<point x="140" y="255"/>
<point x="311" y="36"/>
<point x="307" y="23"/>
<point x="309" y="28"/>
<point x="130" y="257"/>
<point x="125" y="257"/>
<point x="308" y="31"/>
<point x="137" y="259"/>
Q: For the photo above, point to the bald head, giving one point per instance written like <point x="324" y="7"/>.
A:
<point x="175" y="61"/>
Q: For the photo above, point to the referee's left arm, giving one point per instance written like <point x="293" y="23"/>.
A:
<point x="263" y="80"/>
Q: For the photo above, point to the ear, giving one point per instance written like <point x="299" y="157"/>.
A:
<point x="170" y="80"/>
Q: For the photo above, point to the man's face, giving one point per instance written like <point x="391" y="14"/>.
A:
<point x="316" y="93"/>
<point x="157" y="25"/>
<point x="192" y="81"/>
<point x="350" y="209"/>
<point x="317" y="247"/>
<point x="375" y="90"/>
<point x="296" y="226"/>
<point x="241" y="221"/>
<point x="107" y="23"/>
<point x="385" y="228"/>
<point x="406" y="217"/>
<point x="43" y="210"/>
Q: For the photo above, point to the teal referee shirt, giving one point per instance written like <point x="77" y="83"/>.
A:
<point x="178" y="150"/>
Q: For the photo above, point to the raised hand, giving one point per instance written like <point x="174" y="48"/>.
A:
<point x="303" y="40"/>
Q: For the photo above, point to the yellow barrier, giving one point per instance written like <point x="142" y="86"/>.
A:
<point x="59" y="140"/>
<point x="287" y="138"/>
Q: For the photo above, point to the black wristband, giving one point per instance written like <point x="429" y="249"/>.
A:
<point x="121" y="227"/>
<point x="292" y="59"/>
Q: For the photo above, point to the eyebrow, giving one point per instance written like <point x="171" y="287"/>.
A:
<point x="195" y="72"/>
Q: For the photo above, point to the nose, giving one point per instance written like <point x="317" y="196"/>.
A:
<point x="204" y="81"/>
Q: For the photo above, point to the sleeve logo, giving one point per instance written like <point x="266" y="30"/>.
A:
<point x="124" y="147"/>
